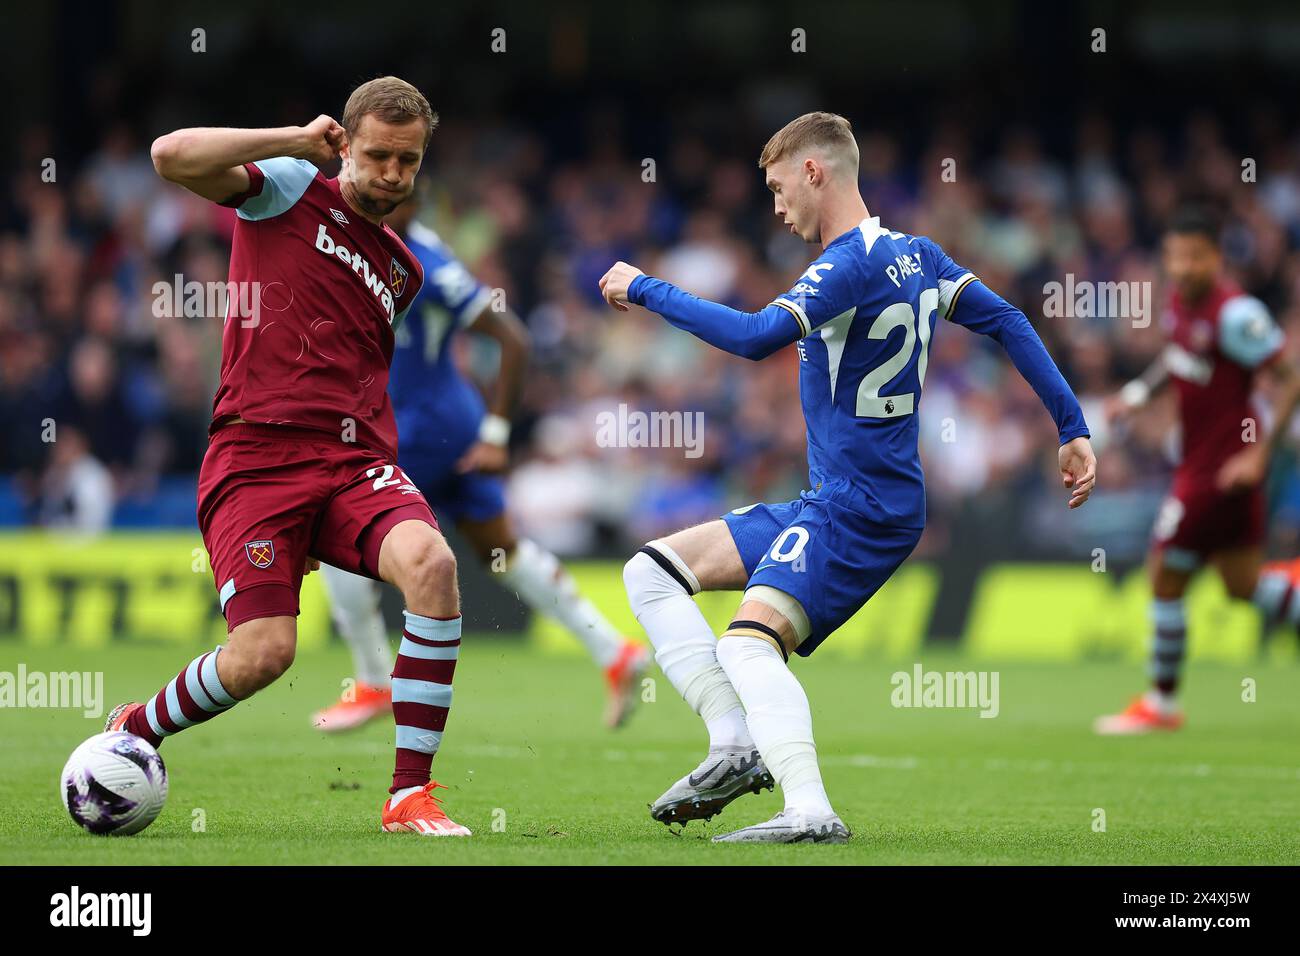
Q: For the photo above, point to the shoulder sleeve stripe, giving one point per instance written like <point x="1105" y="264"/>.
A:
<point x="949" y="291"/>
<point x="284" y="180"/>
<point x="805" y="327"/>
<point x="1247" y="333"/>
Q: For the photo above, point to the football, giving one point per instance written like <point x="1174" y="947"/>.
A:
<point x="114" y="784"/>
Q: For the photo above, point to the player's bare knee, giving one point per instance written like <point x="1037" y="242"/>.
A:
<point x="435" y="563"/>
<point x="271" y="660"/>
<point x="255" y="658"/>
<point x="427" y="571"/>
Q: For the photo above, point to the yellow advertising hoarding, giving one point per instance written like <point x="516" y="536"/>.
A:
<point x="156" y="586"/>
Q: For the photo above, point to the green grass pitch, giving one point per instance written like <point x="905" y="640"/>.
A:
<point x="537" y="778"/>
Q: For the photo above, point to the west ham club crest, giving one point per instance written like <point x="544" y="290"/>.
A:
<point x="397" y="279"/>
<point x="260" y="554"/>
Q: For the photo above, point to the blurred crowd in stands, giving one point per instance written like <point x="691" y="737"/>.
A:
<point x="126" y="394"/>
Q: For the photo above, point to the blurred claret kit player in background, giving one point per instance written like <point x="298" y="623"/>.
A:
<point x="1220" y="340"/>
<point x="454" y="447"/>
<point x="863" y="315"/>
<point x="302" y="461"/>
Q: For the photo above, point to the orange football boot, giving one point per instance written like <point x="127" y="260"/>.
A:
<point x="366" y="704"/>
<point x="420" y="813"/>
<point x="1291" y="566"/>
<point x="1140" y="717"/>
<point x="116" y="719"/>
<point x="624" y="680"/>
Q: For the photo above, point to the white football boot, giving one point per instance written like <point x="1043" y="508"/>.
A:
<point x="722" y="777"/>
<point x="791" y="826"/>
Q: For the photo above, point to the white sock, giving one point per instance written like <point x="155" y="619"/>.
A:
<point x="401" y="795"/>
<point x="1161" y="702"/>
<point x="354" y="604"/>
<point x="729" y="731"/>
<point x="776" y="709"/>
<point x="541" y="582"/>
<point x="685" y="647"/>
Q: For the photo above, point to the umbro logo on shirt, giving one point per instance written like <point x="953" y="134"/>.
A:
<point x="343" y="220"/>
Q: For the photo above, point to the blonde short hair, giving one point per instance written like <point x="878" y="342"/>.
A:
<point x="827" y="131"/>
<point x="391" y="100"/>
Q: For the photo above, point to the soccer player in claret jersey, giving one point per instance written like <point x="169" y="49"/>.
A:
<point x="863" y="315"/>
<point x="302" y="462"/>
<point x="1219" y="339"/>
<point x="453" y="447"/>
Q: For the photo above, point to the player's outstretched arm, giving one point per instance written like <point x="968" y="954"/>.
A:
<point x="751" y="335"/>
<point x="984" y="311"/>
<point x="1249" y="336"/>
<point x="1139" y="391"/>
<point x="1249" y="467"/>
<point x="1286" y="382"/>
<point x="209" y="161"/>
<point x="509" y="332"/>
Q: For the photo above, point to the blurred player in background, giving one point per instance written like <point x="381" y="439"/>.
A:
<point x="863" y="315"/>
<point x="1220" y="339"/>
<point x="454" y="447"/>
<point x="302" y="462"/>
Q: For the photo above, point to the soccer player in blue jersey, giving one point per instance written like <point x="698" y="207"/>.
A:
<point x="453" y="447"/>
<point x="863" y="315"/>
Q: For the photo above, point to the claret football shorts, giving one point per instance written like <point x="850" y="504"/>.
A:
<point x="271" y="496"/>
<point x="1196" y="520"/>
